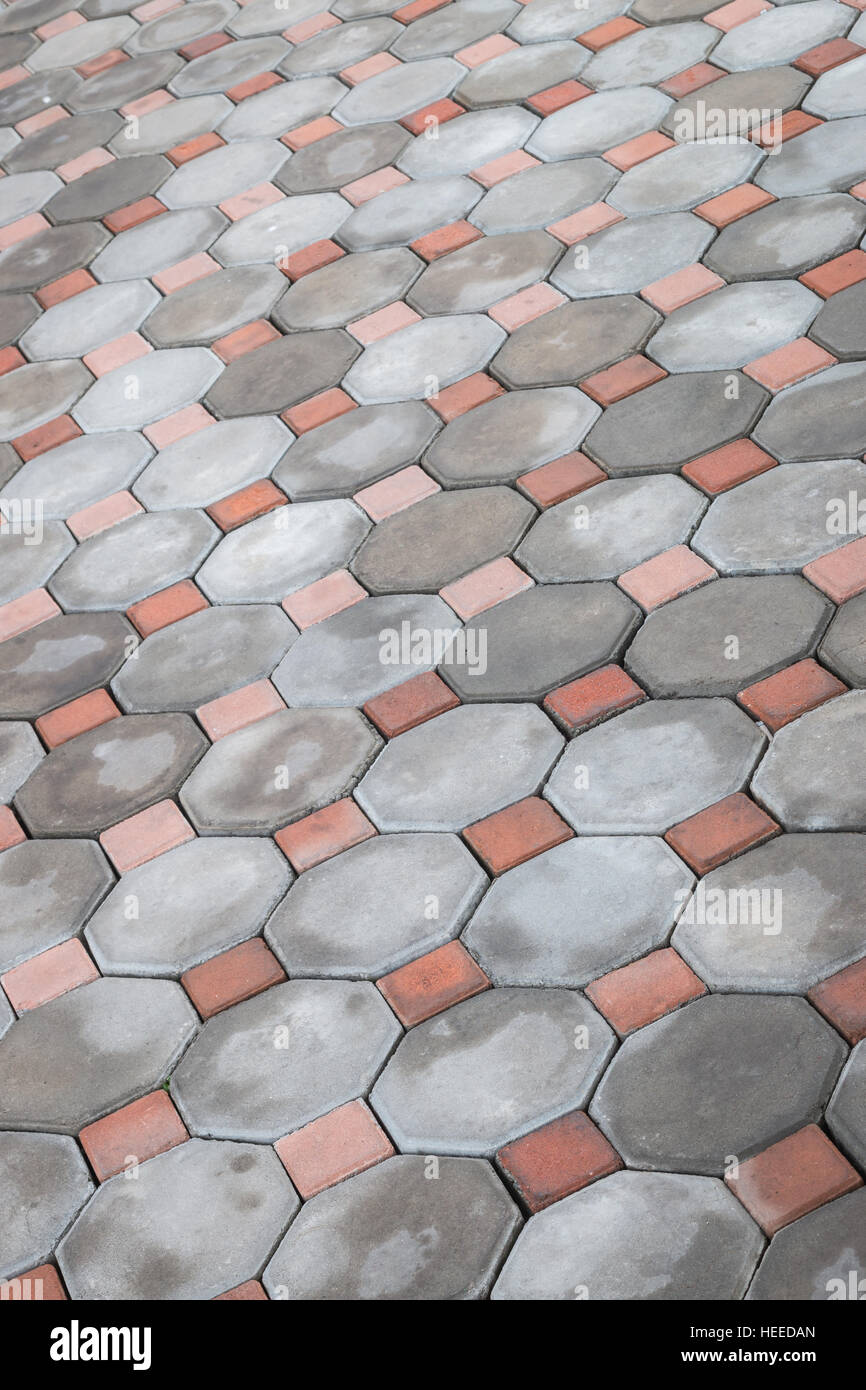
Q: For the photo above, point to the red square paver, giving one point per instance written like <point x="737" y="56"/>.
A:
<point x="177" y="426"/>
<point x="12" y="76"/>
<point x="792" y="124"/>
<point x="24" y="227"/>
<point x="318" y="837"/>
<point x="20" y="614"/>
<point x="720" y="832"/>
<point x="729" y="207"/>
<point x="583" y="224"/>
<point x="323" y="598"/>
<point x="526" y="305"/>
<point x="66" y="287"/>
<point x="144" y="105"/>
<point x="116" y="353"/>
<point x="475" y="54"/>
<point x="48" y="975"/>
<point x="520" y="832"/>
<point x="250" y="502"/>
<point x="738" y="12"/>
<point x="638" y="994"/>
<point x="10" y="360"/>
<point x="638" y="150"/>
<point x="311" y="132"/>
<point x="133" y="1134"/>
<point x="666" y="576"/>
<point x="858" y="191"/>
<point x="237" y="710"/>
<point x="396" y="493"/>
<point x="483" y="588"/>
<point x="593" y="698"/>
<point x="558" y="1159"/>
<point x="68" y="721"/>
<point x="336" y="1146"/>
<point x="691" y="80"/>
<point x="243" y="340"/>
<point x="791" y="1178"/>
<point x="502" y="168"/>
<point x="264" y="195"/>
<point x="251" y="1291"/>
<point x="318" y="410"/>
<point x="433" y="983"/>
<point x="407" y="13"/>
<point x="371" y="185"/>
<point x="31" y="125"/>
<point x="40" y="1285"/>
<point x="367" y="68"/>
<point x="232" y="976"/>
<point x="122" y="219"/>
<point x="383" y="322"/>
<point x="561" y="478"/>
<point x="842" y="1000"/>
<point x="445" y="239"/>
<point x="842" y="573"/>
<point x="308" y="28"/>
<point x="208" y="43"/>
<point x="45" y="437"/>
<point x="724" y="468"/>
<point x="313" y="257"/>
<point x="144" y="836"/>
<point x="555" y="98"/>
<point x="623" y="379"/>
<point x="789" y="364"/>
<point x="603" y="35"/>
<point x="167" y="606"/>
<point x="838" y="274"/>
<point x="413" y="702"/>
<point x="253" y="85"/>
<point x="436" y="114"/>
<point x="790" y="693"/>
<point x="191" y="149"/>
<point x="99" y="516"/>
<point x="84" y="164"/>
<point x="177" y="277"/>
<point x="10" y="831"/>
<point x="465" y="395"/>
<point x="826" y="56"/>
<point x="684" y="286"/>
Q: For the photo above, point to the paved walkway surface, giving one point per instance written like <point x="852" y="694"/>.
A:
<point x="432" y="649"/>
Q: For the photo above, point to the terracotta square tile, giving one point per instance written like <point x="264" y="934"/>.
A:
<point x="731" y="206"/>
<point x="177" y="426"/>
<point x="40" y="1285"/>
<point x="433" y="983"/>
<point x="368" y="67"/>
<point x="237" y="710"/>
<point x="623" y="379"/>
<point x="414" y="702"/>
<point x="792" y="1177"/>
<point x="593" y="698"/>
<point x="166" y="606"/>
<point x="483" y="588"/>
<point x="719" y="833"/>
<point x="517" y="309"/>
<point x="41" y="121"/>
<point x="208" y="43"/>
<point x="738" y="12"/>
<point x="790" y="693"/>
<point x="318" y="410"/>
<point x="249" y="1292"/>
<point x="10" y="360"/>
<point x="177" y="277"/>
<point x="264" y="195"/>
<point x="45" y="437"/>
<point x="83" y="164"/>
<point x="144" y="105"/>
<point x="555" y="98"/>
<point x="842" y="573"/>
<point x="67" y="21"/>
<point x="558" y="1159"/>
<point x="724" y="468"/>
<point x="48" y="975"/>
<point x="323" y="598"/>
<point x="666" y="576"/>
<point x="318" y="837"/>
<point x="792" y="124"/>
<point x="464" y="395"/>
<point x="24" y="227"/>
<point x="10" y="831"/>
<point x="383" y="322"/>
<point x="582" y="224"/>
<point x="12" y="76"/>
<point x="502" y="168"/>
<point x="561" y="478"/>
<point x="691" y="80"/>
<point x="788" y="364"/>
<point x="191" y="149"/>
<point x="858" y="191"/>
<point x="826" y="56"/>
<point x="76" y="717"/>
<point x="638" y="994"/>
<point x="673" y="291"/>
<point x="142" y="837"/>
<point x="842" y="1000"/>
<point x="445" y="239"/>
<point x="232" y="976"/>
<point x="133" y="1134"/>
<point x="25" y="612"/>
<point x="436" y="114"/>
<point x="240" y="507"/>
<point x="520" y="832"/>
<point x="396" y="493"/>
<point x="338" y="1145"/>
<point x="308" y="134"/>
<point x="133" y="214"/>
<point x="253" y="85"/>
<point x="117" y="353"/>
<point x="242" y="340"/>
<point x="310" y="258"/>
<point x="371" y="185"/>
<point x="838" y="274"/>
<point x="638" y="150"/>
<point x="309" y="28"/>
<point x="605" y="34"/>
<point x="76" y="282"/>
<point x="482" y="52"/>
<point x="407" y="13"/>
<point x="153" y="8"/>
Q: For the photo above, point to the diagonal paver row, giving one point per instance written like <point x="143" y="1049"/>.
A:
<point x="432" y="649"/>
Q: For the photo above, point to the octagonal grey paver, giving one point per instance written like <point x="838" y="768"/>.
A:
<point x="575" y="912"/>
<point x="282" y="373"/>
<point x="825" y="159"/>
<point x="461" y="766"/>
<point x="24" y="194"/>
<point x="91" y="1051"/>
<point x="273" y="233"/>
<point x="112" y="87"/>
<point x="684" y="176"/>
<point x="165" y="382"/>
<point x="228" y="66"/>
<point x="818" y="418"/>
<point x="574" y="340"/>
<point x="348" y="289"/>
<point x="558" y="19"/>
<point x="846" y="1113"/>
<point x="282" y="551"/>
<point x="45" y="1183"/>
<point x="144" y="250"/>
<point x="408" y="211"/>
<point x="352" y="43"/>
<point x="840" y="325"/>
<point x="277" y="770"/>
<point x="653" y="766"/>
<point x="545" y="1049"/>
<point x="357" y="448"/>
<point x="650" y="55"/>
<point x="222" y="173"/>
<point x="376" y="906"/>
<point x="280" y="1060"/>
<point x="62" y="141"/>
<point x="788" y="237"/>
<point x="215" y="305"/>
<point x="84" y="470"/>
<point x="543" y="194"/>
<point x="633" y="253"/>
<point x="398" y="91"/>
<point x="179" y="27"/>
<point x="839" y="92"/>
<point x="202" y="467"/>
<point x="726" y="1076"/>
<point x="809" y="779"/>
<point x="640" y="1236"/>
<point x="487" y="270"/>
<point x="736" y="98"/>
<point x="734" y="325"/>
<point x="37" y="393"/>
<point x="605" y="120"/>
<point x="197" y="900"/>
<point x="20" y="753"/>
<point x="468" y="142"/>
<point x="515" y="75"/>
<point x="446" y="31"/>
<point x="117" y="567"/>
<point x="811" y="1259"/>
<point x="87" y="321"/>
<point x="510" y="435"/>
<point x="58" y="660"/>
<point x="280" y="108"/>
<point x="109" y="187"/>
<point x="418" y="361"/>
<point x="25" y="566"/>
<point x="49" y="888"/>
<point x="844" y="646"/>
<point x="780" y="35"/>
<point x="199" y="1220"/>
<point x="345" y="155"/>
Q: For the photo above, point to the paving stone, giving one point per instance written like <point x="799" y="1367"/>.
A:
<point x="237" y="1080"/>
<point x="45" y="1184"/>
<point x="817" y="418"/>
<point x="59" y="660"/>
<point x="468" y="142"/>
<point x="827" y="158"/>
<point x="283" y="372"/>
<point x="124" y="83"/>
<point x="577" y="911"/>
<point x="844" y="644"/>
<point x="636" y="1236"/>
<point x="780" y="35"/>
<point x="376" y="906"/>
<point x="206" y="1216"/>
<point x="808" y="778"/>
<point x="214" y="306"/>
<point x="803" y="927"/>
<point x="210" y="464"/>
<point x="342" y="157"/>
<point x="19" y="311"/>
<point x="650" y="55"/>
<point x="278" y="770"/>
<point x="509" y="435"/>
<point x="684" y="176"/>
<point x="83" y="471"/>
<point x="839" y="92"/>
<point x="92" y="1050"/>
<point x="39" y="392"/>
<point x="229" y="65"/>
<point x="407" y="212"/>
<point x="779" y="520"/>
<point x="477" y="759"/>
<point x="20" y="753"/>
<point x="197" y="900"/>
<point x="451" y="1235"/>
<point x="654" y="765"/>
<point x="62" y="141"/>
<point x="812" y="1258"/>
<point x="50" y="254"/>
<point x="341" y="47"/>
<point x="178" y="121"/>
<point x="278" y="553"/>
<point x="222" y="173"/>
<point x="573" y="341"/>
<point x="788" y="237"/>
<point x="598" y="122"/>
<point x="458" y="1051"/>
<point x="735" y="98"/>
<point x="31" y="15"/>
<point x="167" y="381"/>
<point x="727" y="1075"/>
<point x="845" y="1113"/>
<point x="23" y="194"/>
<point x="7" y="1016"/>
<point x="76" y="326"/>
<point x="37" y="93"/>
<point x="447" y="535"/>
<point x="398" y="91"/>
<point x="419" y="360"/>
<point x="274" y="232"/>
<point x="356" y="449"/>
<point x="180" y="26"/>
<point x="50" y="888"/>
<point x="114" y="185"/>
<point x="516" y="75"/>
<point x="348" y="289"/>
<point x="840" y="324"/>
<point x="637" y="252"/>
<point x="26" y="566"/>
<point x="161" y="242"/>
<point x="281" y="108"/>
<point x="449" y="30"/>
<point x="484" y="272"/>
<point x="733" y="325"/>
<point x="541" y="195"/>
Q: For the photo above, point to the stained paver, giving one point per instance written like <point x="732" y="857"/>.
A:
<point x="50" y="889"/>
<point x="824" y="792"/>
<point x="813" y="1258"/>
<point x="45" y="1184"/>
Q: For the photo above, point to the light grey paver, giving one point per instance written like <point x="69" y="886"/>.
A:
<point x="812" y="1259"/>
<point x="44" y="1184"/>
<point x="50" y="888"/>
<point x="810" y="778"/>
